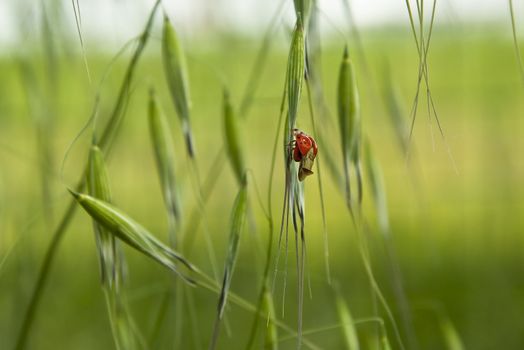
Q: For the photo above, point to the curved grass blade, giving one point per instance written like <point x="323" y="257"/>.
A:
<point x="130" y="232"/>
<point x="176" y="74"/>
<point x="163" y="147"/>
<point x="232" y="140"/>
<point x="236" y="226"/>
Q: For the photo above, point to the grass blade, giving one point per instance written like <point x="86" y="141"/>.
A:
<point x="237" y="223"/>
<point x="176" y="74"/>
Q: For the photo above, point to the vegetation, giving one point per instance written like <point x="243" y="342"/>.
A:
<point x="194" y="230"/>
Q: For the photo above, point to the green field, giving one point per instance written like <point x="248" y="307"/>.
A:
<point x="457" y="234"/>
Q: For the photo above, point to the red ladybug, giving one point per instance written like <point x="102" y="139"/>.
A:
<point x="304" y="151"/>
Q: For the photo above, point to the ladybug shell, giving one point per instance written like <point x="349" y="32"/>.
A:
<point x="303" y="144"/>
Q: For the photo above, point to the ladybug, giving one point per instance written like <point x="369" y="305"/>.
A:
<point x="304" y="152"/>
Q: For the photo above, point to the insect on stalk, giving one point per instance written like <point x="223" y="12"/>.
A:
<point x="304" y="152"/>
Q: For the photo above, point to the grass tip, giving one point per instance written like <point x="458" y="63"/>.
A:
<point x="346" y="52"/>
<point x="75" y="194"/>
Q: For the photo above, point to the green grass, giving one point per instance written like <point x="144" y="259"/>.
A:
<point x="457" y="237"/>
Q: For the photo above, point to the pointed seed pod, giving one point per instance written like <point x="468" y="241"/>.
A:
<point x="177" y="79"/>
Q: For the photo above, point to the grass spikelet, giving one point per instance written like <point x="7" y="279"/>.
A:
<point x="295" y="73"/>
<point x="98" y="187"/>
<point x="348" y="325"/>
<point x="163" y="148"/>
<point x="236" y="225"/>
<point x="129" y="231"/>
<point x="176" y="74"/>
<point x="348" y="116"/>
<point x="232" y="140"/>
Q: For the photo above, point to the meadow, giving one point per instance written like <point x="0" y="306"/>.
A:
<point x="455" y="206"/>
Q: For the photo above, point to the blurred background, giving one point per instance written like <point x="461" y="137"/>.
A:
<point x="455" y="207"/>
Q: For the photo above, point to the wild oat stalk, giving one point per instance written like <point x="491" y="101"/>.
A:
<point x="349" y="123"/>
<point x="293" y="193"/>
<point x="163" y="148"/>
<point x="236" y="226"/>
<point x="112" y="262"/>
<point x="108" y="134"/>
